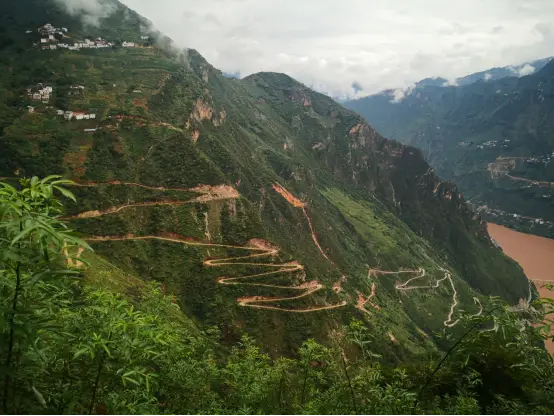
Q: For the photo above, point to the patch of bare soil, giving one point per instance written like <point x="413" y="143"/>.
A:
<point x="294" y="201"/>
<point x="212" y="193"/>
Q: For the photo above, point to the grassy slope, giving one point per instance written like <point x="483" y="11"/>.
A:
<point x="371" y="201"/>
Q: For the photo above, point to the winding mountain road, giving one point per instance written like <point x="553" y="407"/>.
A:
<point x="259" y="248"/>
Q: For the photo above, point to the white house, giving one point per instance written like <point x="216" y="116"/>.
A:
<point x="59" y="112"/>
<point x="29" y="31"/>
<point x="31" y="109"/>
<point x="51" y="37"/>
<point x="89" y="42"/>
<point x="92" y="116"/>
<point x="128" y="44"/>
<point x="37" y="96"/>
<point x="53" y="47"/>
<point x="86" y="116"/>
<point x="145" y="37"/>
<point x="68" y="115"/>
<point x="64" y="29"/>
<point x="79" y="116"/>
<point x="43" y="40"/>
<point x="89" y="130"/>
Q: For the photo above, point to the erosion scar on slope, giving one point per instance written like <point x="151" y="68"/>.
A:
<point x="295" y="202"/>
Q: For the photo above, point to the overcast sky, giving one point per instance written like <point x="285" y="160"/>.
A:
<point x="332" y="45"/>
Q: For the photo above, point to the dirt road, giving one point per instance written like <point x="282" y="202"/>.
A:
<point x="258" y="248"/>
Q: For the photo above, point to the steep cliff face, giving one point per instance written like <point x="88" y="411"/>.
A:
<point x="397" y="174"/>
<point x="494" y="139"/>
<point x="265" y="206"/>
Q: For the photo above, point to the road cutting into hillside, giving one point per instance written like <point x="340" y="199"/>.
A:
<point x="362" y="301"/>
<point x="260" y="248"/>
<point x="531" y="181"/>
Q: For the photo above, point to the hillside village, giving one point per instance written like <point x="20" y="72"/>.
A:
<point x="53" y="38"/>
<point x="40" y="93"/>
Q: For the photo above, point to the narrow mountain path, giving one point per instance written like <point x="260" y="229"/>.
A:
<point x="531" y="181"/>
<point x="420" y="273"/>
<point x="447" y="276"/>
<point x="362" y="301"/>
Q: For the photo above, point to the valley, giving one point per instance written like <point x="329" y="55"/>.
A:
<point x="209" y="245"/>
<point x="492" y="137"/>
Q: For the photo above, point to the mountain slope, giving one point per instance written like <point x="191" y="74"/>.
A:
<point x="494" y="139"/>
<point x="265" y="207"/>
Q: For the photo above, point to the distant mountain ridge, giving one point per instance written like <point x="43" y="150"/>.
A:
<point x="493" y="138"/>
<point x="492" y="74"/>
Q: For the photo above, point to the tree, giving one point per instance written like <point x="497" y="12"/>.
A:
<point x="34" y="246"/>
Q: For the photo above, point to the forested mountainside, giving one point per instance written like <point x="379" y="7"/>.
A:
<point x="226" y="152"/>
<point x="493" y="139"/>
<point x="263" y="208"/>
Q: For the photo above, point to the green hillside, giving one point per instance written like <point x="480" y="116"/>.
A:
<point x="266" y="209"/>
<point x="494" y="139"/>
<point x="174" y="121"/>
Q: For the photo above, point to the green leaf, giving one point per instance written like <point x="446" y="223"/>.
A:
<point x="39" y="396"/>
<point x="49" y="178"/>
<point x="80" y="352"/>
<point x="66" y="193"/>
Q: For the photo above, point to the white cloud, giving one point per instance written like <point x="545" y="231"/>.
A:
<point x="379" y="44"/>
<point x="451" y="83"/>
<point x="399" y="94"/>
<point x="524" y="70"/>
<point x="90" y="11"/>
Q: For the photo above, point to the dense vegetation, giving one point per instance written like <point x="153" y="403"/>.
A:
<point x="71" y="343"/>
<point x="481" y="135"/>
